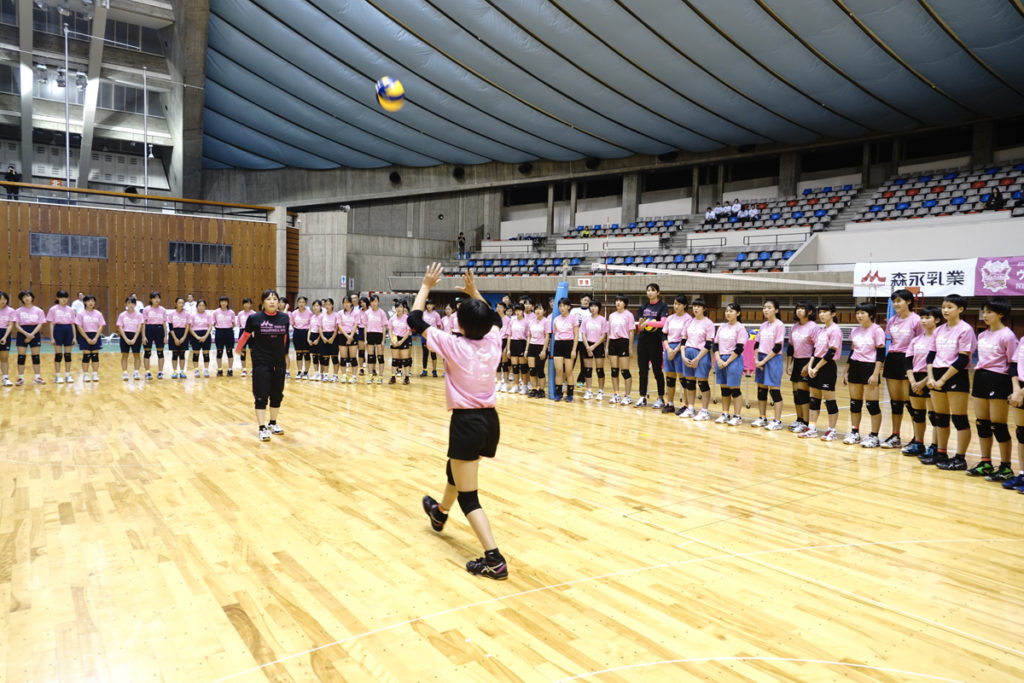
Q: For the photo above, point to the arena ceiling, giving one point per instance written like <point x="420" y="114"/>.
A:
<point x="291" y="83"/>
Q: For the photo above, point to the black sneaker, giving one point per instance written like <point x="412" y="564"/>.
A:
<point x="1004" y="473"/>
<point x="392" y="380"/>
<point x="957" y="462"/>
<point x="929" y="455"/>
<point x="437" y="518"/>
<point x="532" y="394"/>
<point x="231" y="373"/>
<point x="668" y="408"/>
<point x="680" y="410"/>
<point x="435" y="373"/>
<point x="481" y="567"/>
<point x="914" y="448"/>
<point x="423" y="374"/>
<point x="220" y="373"/>
<point x="540" y="393"/>
<point x="982" y="469"/>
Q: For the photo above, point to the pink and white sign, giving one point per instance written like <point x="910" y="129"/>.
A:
<point x="999" y="276"/>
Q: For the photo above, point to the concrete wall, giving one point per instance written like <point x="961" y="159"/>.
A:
<point x="371" y="258"/>
<point x="323" y="250"/>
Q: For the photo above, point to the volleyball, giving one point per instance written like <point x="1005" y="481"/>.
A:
<point x="390" y="94"/>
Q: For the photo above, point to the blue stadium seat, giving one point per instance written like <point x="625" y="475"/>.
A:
<point x="580" y="228"/>
<point x="610" y="260"/>
<point x="471" y="263"/>
<point x="648" y="259"/>
<point x="556" y="262"/>
<point x="597" y="227"/>
<point x="669" y="224"/>
<point x="992" y="171"/>
<point x="740" y="258"/>
<point x="505" y="263"/>
<point x="957" y="201"/>
<point x="764" y="256"/>
<point x="847" y="187"/>
<point x="733" y="219"/>
<point x="679" y="258"/>
<point x="930" y="203"/>
<point x="488" y="263"/>
<point x="899" y="181"/>
<point x="902" y="205"/>
<point x="574" y="262"/>
<point x="789" y="254"/>
<point x="775" y="216"/>
<point x="1017" y="195"/>
<point x="650" y="224"/>
<point x="1019" y="167"/>
<point x="700" y="258"/>
<point x="985" y="197"/>
<point x="827" y="188"/>
<point x="615" y="226"/>
<point x="807" y="191"/>
<point x="629" y="260"/>
<point x="798" y="214"/>
<point x="632" y="225"/>
<point x="876" y="208"/>
<point x="820" y="212"/>
<point x="950" y="176"/>
<point x="924" y="179"/>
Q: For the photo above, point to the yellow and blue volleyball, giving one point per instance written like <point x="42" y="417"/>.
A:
<point x="390" y="94"/>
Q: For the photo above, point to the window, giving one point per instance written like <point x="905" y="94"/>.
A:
<point x="9" y="79"/>
<point x="72" y="246"/>
<point x="8" y="12"/>
<point x="49" y="20"/>
<point x="126" y="98"/>
<point x="193" y="252"/>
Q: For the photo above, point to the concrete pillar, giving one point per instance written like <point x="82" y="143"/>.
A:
<point x="279" y="216"/>
<point x="630" y="197"/>
<point x="92" y="92"/>
<point x="695" y="203"/>
<point x="186" y="60"/>
<point x="573" y="198"/>
<point x="789" y="173"/>
<point x="550" y="224"/>
<point x="865" y="164"/>
<point x="982" y="143"/>
<point x="28" y="79"/>
<point x="720" y="185"/>
<point x="323" y="254"/>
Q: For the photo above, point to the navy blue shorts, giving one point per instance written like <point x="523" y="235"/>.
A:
<point x="674" y="365"/>
<point x="361" y="334"/>
<point x="300" y="339"/>
<point x="731" y="375"/>
<point x="86" y="346"/>
<point x="131" y="348"/>
<point x="201" y="345"/>
<point x="63" y="335"/>
<point x="154" y="336"/>
<point x="224" y="338"/>
<point x="771" y="374"/>
<point x="183" y="346"/>
<point x="36" y="341"/>
<point x="703" y="368"/>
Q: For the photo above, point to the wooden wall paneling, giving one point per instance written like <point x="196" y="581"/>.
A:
<point x="5" y="249"/>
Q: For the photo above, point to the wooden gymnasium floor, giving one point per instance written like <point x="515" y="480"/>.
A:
<point x="145" y="535"/>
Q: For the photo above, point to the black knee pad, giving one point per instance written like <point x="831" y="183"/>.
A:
<point x="600" y="373"/>
<point x="448" y="473"/>
<point x="206" y="356"/>
<point x="831" y="407"/>
<point x="35" y="359"/>
<point x="897" y="407"/>
<point x="690" y="383"/>
<point x="960" y="422"/>
<point x="195" y="356"/>
<point x="873" y="408"/>
<point x="58" y="356"/>
<point x="814" y="403"/>
<point x="362" y="354"/>
<point x="220" y="353"/>
<point x="762" y="393"/>
<point x="160" y="354"/>
<point x="984" y="428"/>
<point x="737" y="392"/>
<point x="917" y="415"/>
<point x="801" y="397"/>
<point x="588" y="372"/>
<point x="615" y="372"/>
<point x="533" y="371"/>
<point x="626" y="374"/>
<point x="396" y="363"/>
<point x="1020" y="434"/>
<point x="146" y="352"/>
<point x="856" y="405"/>
<point x="670" y="382"/>
<point x="776" y="395"/>
<point x="67" y="356"/>
<point x="941" y="421"/>
<point x="468" y="501"/>
<point x="370" y="360"/>
<point x="704" y="385"/>
<point x="261" y="402"/>
<point x="231" y="354"/>
<point x="933" y="419"/>
<point x="1001" y="432"/>
<point x="380" y="359"/>
<point x="275" y="401"/>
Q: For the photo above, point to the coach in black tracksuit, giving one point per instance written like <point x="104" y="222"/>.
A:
<point x="268" y="330"/>
<point x="649" y="343"/>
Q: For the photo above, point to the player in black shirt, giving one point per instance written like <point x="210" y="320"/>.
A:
<point x="268" y="330"/>
<point x="649" y="344"/>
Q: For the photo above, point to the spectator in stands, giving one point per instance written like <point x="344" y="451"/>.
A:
<point x="736" y="207"/>
<point x="753" y="213"/>
<point x="721" y="212"/>
<point x="487" y="237"/>
<point x="710" y="217"/>
<point x="460" y="243"/>
<point x="12" y="176"/>
<point x="585" y="232"/>
<point x="743" y="215"/>
<point x="996" y="200"/>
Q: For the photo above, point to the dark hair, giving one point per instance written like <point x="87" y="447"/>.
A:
<point x="595" y="302"/>
<point x="222" y="299"/>
<point x="346" y="300"/>
<point x="300" y="298"/>
<point x="502" y="304"/>
<point x="374" y="297"/>
<point x="998" y="305"/>
<point x="364" y="300"/>
<point x="266" y="294"/>
<point x="525" y="300"/>
<point x="623" y="298"/>
<point x="316" y="302"/>
<point x="201" y="301"/>
<point x="564" y="301"/>
<point x="177" y="299"/>
<point x="246" y="300"/>
<point x="830" y="307"/>
<point x="127" y="299"/>
<point x="699" y="302"/>
<point x="588" y="296"/>
<point x="88" y="297"/>
<point x="809" y="308"/>
<point x="736" y="307"/>
<point x="3" y="295"/>
<point x="654" y="286"/>
<point x="153" y="295"/>
<point x="540" y="304"/>
<point x="25" y="292"/>
<point x="931" y="311"/>
<point x="401" y="304"/>
<point x="904" y="294"/>
<point x="868" y="307"/>
<point x="62" y="294"/>
<point x="773" y="302"/>
<point x="518" y="307"/>
<point x="329" y="300"/>
<point x="956" y="300"/>
<point x="431" y="301"/>
<point x="475" y="318"/>
<point x="682" y="299"/>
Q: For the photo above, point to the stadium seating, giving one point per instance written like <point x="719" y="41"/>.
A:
<point x="654" y="225"/>
<point x="813" y="208"/>
<point x="944" y="193"/>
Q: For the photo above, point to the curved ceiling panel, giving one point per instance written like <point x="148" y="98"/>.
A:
<point x="290" y="84"/>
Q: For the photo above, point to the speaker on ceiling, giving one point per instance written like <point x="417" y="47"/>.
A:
<point x="668" y="156"/>
<point x="525" y="167"/>
<point x="592" y="163"/>
<point x="458" y="173"/>
<point x="395" y="177"/>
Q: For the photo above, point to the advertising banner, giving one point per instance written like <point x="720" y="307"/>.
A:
<point x="926" y="278"/>
<point x="999" y="276"/>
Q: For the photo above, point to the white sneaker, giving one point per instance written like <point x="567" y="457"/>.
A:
<point x="587" y="396"/>
<point x="852" y="438"/>
<point x="58" y="380"/>
<point x="809" y="433"/>
<point x="799" y="429"/>
<point x="759" y="422"/>
<point x="95" y="376"/>
<point x="124" y="375"/>
<point x="334" y="378"/>
<point x="264" y="434"/>
<point x="197" y="372"/>
<point x="794" y="425"/>
<point x="626" y="400"/>
<point x="774" y="426"/>
<point x="869" y="442"/>
<point x="315" y="377"/>
<point x="640" y="402"/>
<point x="7" y="381"/>
<point x="67" y="378"/>
<point x="86" y="377"/>
<point x="614" y="399"/>
<point x="522" y="389"/>
<point x="735" y="421"/>
<point x="688" y="413"/>
<point x="722" y="419"/>
<point x="659" y="404"/>
<point x="829" y="435"/>
<point x="276" y="429"/>
<point x="135" y="375"/>
<point x="600" y="394"/>
<point x="206" y="372"/>
<point x="702" y="416"/>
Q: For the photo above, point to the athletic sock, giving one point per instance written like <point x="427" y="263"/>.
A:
<point x="262" y="427"/>
<point x="493" y="556"/>
<point x="273" y="422"/>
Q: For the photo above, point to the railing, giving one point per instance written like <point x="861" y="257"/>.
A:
<point x="75" y="196"/>
<point x="704" y="242"/>
<point x="774" y="240"/>
<point x="504" y="248"/>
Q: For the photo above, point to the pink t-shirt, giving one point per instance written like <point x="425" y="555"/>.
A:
<point x="61" y="315"/>
<point x="328" y="323"/>
<point x="539" y="328"/>
<point x="155" y="315"/>
<point x="362" y="318"/>
<point x="728" y="336"/>
<point x="201" y="322"/>
<point x="518" y="329"/>
<point x="469" y="366"/>
<point x="620" y="323"/>
<point x="300" y="319"/>
<point x="902" y="330"/>
<point x="223" y="320"/>
<point x="129" y="322"/>
<point x="376" y="321"/>
<point x="699" y="332"/>
<point x="675" y="327"/>
<point x="1020" y="360"/>
<point x="6" y="317"/>
<point x="830" y="337"/>
<point x="348" y="321"/>
<point x="802" y="337"/>
<point x="506" y="322"/>
<point x="91" y="321"/>
<point x="594" y="328"/>
<point x="951" y="342"/>
<point x="432" y="318"/>
<point x="314" y="327"/>
<point x="769" y="334"/>
<point x="920" y="347"/>
<point x="565" y="327"/>
<point x="243" y="315"/>
<point x="453" y="322"/>
<point x="996" y="350"/>
<point x="399" y="326"/>
<point x="27" y="316"/>
<point x="864" y="342"/>
<point x="179" y="320"/>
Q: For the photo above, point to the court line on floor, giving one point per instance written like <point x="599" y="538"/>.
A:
<point x="727" y="555"/>
<point x="700" y="660"/>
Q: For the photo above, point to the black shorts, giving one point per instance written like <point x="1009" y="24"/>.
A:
<point x="959" y="383"/>
<point x="618" y="347"/>
<point x="895" y="366"/>
<point x="63" y="335"/>
<point x="407" y="344"/>
<point x="858" y="371"/>
<point x="154" y="336"/>
<point x="267" y="385"/>
<point x="825" y="380"/>
<point x="83" y="345"/>
<point x="925" y="393"/>
<point x="6" y="344"/>
<point x="598" y="352"/>
<point x="36" y="340"/>
<point x="344" y="343"/>
<point x="360" y="334"/>
<point x="563" y="348"/>
<point x="517" y="348"/>
<point x="131" y="348"/>
<point x="329" y="349"/>
<point x="300" y="339"/>
<point x="533" y="350"/>
<point x="224" y="338"/>
<point x="990" y="385"/>
<point x="183" y="346"/>
<point x="798" y="365"/>
<point x="374" y="338"/>
<point x="201" y="345"/>
<point x="473" y="433"/>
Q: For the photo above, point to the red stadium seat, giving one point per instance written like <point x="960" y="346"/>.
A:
<point x="888" y="193"/>
<point x="1007" y="181"/>
<point x="812" y="200"/>
<point x="977" y="184"/>
<point x="791" y="202"/>
<point x="913" y="191"/>
<point x="835" y="200"/>
<point x="937" y="189"/>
